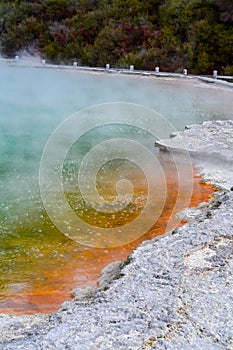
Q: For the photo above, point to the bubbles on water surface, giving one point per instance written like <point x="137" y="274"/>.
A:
<point x="33" y="250"/>
<point x="100" y="184"/>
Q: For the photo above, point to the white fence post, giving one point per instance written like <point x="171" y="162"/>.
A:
<point x="215" y="74"/>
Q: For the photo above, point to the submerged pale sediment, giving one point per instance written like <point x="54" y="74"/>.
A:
<point x="176" y="290"/>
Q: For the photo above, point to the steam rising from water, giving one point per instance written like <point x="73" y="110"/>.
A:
<point x="33" y="102"/>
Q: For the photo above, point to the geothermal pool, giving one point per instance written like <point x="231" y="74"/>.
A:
<point x="39" y="265"/>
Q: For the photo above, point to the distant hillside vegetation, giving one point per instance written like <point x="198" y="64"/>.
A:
<point x="172" y="34"/>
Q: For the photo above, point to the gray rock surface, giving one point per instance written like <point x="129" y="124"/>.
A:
<point x="174" y="292"/>
<point x="211" y="146"/>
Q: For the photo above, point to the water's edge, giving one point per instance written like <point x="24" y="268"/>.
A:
<point x="194" y="247"/>
<point x="219" y="81"/>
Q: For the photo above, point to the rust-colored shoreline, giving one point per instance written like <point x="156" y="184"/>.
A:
<point x="92" y="260"/>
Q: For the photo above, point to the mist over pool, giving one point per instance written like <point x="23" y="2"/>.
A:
<point x="33" y="102"/>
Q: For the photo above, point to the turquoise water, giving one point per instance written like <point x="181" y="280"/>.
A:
<point x="33" y="102"/>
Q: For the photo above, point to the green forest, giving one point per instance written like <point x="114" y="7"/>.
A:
<point x="171" y="34"/>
